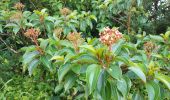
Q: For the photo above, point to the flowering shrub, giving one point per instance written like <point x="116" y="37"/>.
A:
<point x="58" y="58"/>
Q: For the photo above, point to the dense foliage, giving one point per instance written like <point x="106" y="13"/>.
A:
<point x="85" y="49"/>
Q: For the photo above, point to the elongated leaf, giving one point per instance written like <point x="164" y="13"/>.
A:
<point x="63" y="70"/>
<point x="89" y="48"/>
<point x="116" y="48"/>
<point x="32" y="65"/>
<point x="139" y="73"/>
<point x="58" y="58"/>
<point x="115" y="71"/>
<point x="122" y="87"/>
<point x="69" y="82"/>
<point x="29" y="56"/>
<point x="157" y="38"/>
<point x="46" y="62"/>
<point x="164" y="79"/>
<point x="153" y="90"/>
<point x="92" y="75"/>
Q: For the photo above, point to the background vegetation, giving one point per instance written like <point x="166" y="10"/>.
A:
<point x="57" y="49"/>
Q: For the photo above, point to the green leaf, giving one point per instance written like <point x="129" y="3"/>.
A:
<point x="16" y="29"/>
<point x="45" y="60"/>
<point x="89" y="48"/>
<point x="122" y="87"/>
<point x="116" y="48"/>
<point x="11" y="25"/>
<point x="43" y="43"/>
<point x="58" y="58"/>
<point x="92" y="74"/>
<point x="93" y="17"/>
<point x="1" y="30"/>
<point x="63" y="70"/>
<point x="58" y="88"/>
<point x="156" y="38"/>
<point x="164" y="79"/>
<point x="115" y="71"/>
<point x="139" y="73"/>
<point x="137" y="96"/>
<point x="69" y="81"/>
<point x="32" y="65"/>
<point x="153" y="90"/>
<point x="29" y="56"/>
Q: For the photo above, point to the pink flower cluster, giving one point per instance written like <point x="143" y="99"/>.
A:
<point x="110" y="36"/>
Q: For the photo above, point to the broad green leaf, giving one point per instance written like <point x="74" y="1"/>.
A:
<point x="92" y="74"/>
<point x="45" y="60"/>
<point x="58" y="88"/>
<point x="43" y="43"/>
<point x="16" y="29"/>
<point x="32" y="65"/>
<point x="29" y="56"/>
<point x="156" y="38"/>
<point x="137" y="96"/>
<point x="164" y="79"/>
<point x="139" y="73"/>
<point x="116" y="48"/>
<point x="86" y="59"/>
<point x="93" y="17"/>
<point x="122" y="87"/>
<point x="63" y="70"/>
<point x="115" y="71"/>
<point x="58" y="58"/>
<point x="69" y="81"/>
<point x="153" y="90"/>
<point x="11" y="25"/>
<point x="89" y="48"/>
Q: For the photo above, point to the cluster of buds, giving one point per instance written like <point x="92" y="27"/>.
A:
<point x="149" y="47"/>
<point x="110" y="36"/>
<point x="32" y="34"/>
<point x="16" y="17"/>
<point x="19" y="6"/>
<point x="65" y="11"/>
<point x="76" y="39"/>
<point x="57" y="32"/>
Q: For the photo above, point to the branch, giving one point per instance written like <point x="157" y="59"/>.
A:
<point x="8" y="46"/>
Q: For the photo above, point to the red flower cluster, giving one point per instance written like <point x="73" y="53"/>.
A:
<point x="110" y="36"/>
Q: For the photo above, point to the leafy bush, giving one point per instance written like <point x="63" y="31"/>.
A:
<point x="76" y="50"/>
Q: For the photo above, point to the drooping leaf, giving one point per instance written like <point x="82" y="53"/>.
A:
<point x="153" y="90"/>
<point x="69" y="81"/>
<point x="29" y="56"/>
<point x="92" y="74"/>
<point x="164" y="79"/>
<point x="122" y="87"/>
<point x="139" y="73"/>
<point x="63" y="70"/>
<point x="33" y="64"/>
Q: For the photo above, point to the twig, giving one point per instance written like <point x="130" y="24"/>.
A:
<point x="8" y="46"/>
<point x="119" y="22"/>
